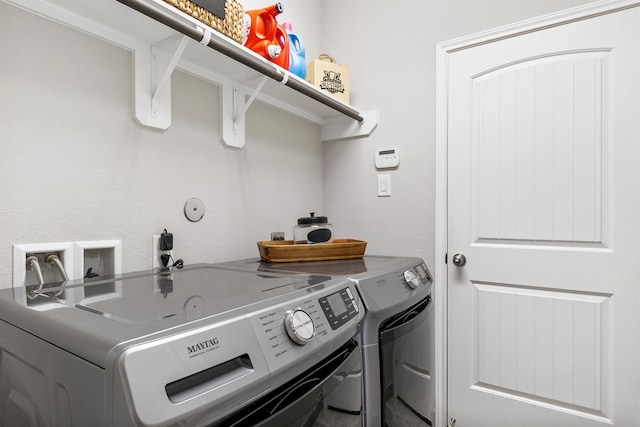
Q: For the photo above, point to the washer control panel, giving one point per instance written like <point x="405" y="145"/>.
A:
<point x="300" y="326"/>
<point x="339" y="307"/>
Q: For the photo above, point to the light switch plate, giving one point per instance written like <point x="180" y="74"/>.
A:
<point x="384" y="185"/>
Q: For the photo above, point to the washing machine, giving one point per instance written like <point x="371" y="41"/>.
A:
<point x="396" y="336"/>
<point x="200" y="346"/>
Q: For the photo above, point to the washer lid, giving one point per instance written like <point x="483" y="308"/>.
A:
<point x="148" y="297"/>
<point x="91" y="317"/>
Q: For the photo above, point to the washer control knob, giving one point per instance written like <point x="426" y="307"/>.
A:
<point x="299" y="326"/>
<point x="412" y="280"/>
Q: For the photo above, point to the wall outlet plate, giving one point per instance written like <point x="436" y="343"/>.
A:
<point x="155" y="251"/>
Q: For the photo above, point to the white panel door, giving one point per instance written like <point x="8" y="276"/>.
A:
<point x="544" y="203"/>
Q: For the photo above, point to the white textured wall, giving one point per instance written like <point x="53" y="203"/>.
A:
<point x="74" y="165"/>
<point x="390" y="49"/>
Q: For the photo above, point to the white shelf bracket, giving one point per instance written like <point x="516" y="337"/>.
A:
<point x="340" y="128"/>
<point x="153" y="68"/>
<point x="239" y="99"/>
<point x="233" y="108"/>
<point x="232" y="125"/>
<point x="165" y="79"/>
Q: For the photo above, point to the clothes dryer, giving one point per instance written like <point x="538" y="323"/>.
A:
<point x="396" y="336"/>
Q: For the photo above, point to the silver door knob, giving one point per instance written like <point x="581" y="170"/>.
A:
<point x="459" y="260"/>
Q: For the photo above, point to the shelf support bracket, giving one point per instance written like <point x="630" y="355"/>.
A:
<point x="341" y="128"/>
<point x="161" y="70"/>
<point x="239" y="99"/>
<point x="232" y="125"/>
<point x="153" y="68"/>
<point x="171" y="66"/>
<point x="233" y="108"/>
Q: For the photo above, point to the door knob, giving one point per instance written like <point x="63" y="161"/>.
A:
<point x="459" y="260"/>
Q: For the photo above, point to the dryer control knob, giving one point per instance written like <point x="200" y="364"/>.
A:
<point x="299" y="326"/>
<point x="412" y="280"/>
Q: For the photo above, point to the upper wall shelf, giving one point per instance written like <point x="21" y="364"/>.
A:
<point x="162" y="39"/>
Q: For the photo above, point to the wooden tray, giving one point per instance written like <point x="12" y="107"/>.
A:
<point x="287" y="251"/>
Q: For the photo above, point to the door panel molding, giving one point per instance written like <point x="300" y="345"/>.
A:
<point x="540" y="179"/>
<point x="543" y="345"/>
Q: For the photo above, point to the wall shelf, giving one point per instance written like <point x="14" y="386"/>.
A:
<point x="162" y="39"/>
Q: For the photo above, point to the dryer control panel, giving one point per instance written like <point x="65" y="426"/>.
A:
<point x="395" y="290"/>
